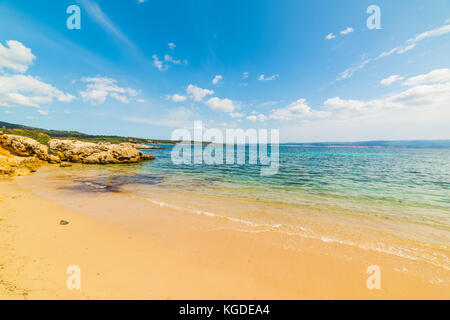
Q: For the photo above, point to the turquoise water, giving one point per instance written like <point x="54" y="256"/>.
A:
<point x="404" y="183"/>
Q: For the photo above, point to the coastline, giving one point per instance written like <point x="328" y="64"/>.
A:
<point x="163" y="253"/>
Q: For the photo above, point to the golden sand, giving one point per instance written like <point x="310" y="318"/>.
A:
<point x="163" y="253"/>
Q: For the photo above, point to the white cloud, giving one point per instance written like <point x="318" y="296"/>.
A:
<point x="217" y="79"/>
<point x="172" y="46"/>
<point x="15" y="56"/>
<point x="198" y="93"/>
<point x="347" y="73"/>
<point x="140" y="100"/>
<point x="120" y="98"/>
<point x="43" y="112"/>
<point x="296" y="110"/>
<point x="95" y="12"/>
<point x="398" y="50"/>
<point x="255" y="118"/>
<point x="224" y="105"/>
<point x="245" y="75"/>
<point x="409" y="45"/>
<point x="431" y="33"/>
<point x="28" y="91"/>
<point x="347" y="31"/>
<point x="236" y="115"/>
<point x="330" y="36"/>
<point x="158" y="63"/>
<point x="435" y="76"/>
<point x="262" y="77"/>
<point x="99" y="89"/>
<point x="141" y="1"/>
<point x="428" y="93"/>
<point x="268" y="103"/>
<point x="169" y="58"/>
<point x="177" y="98"/>
<point x="419" y="112"/>
<point x="390" y="80"/>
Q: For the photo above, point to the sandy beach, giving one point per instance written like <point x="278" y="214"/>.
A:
<point x="163" y="253"/>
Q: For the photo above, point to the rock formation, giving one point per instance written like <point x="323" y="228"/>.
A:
<point x="17" y="166"/>
<point x="143" y="146"/>
<point x="20" y="154"/>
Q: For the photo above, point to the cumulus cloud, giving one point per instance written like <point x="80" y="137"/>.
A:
<point x="236" y="115"/>
<point x="257" y="118"/>
<point x="99" y="89"/>
<point x="217" y="79"/>
<point x="330" y="36"/>
<point x="296" y="110"/>
<point x="435" y="76"/>
<point x="158" y="63"/>
<point x="177" y="98"/>
<point x="162" y="65"/>
<point x="197" y="93"/>
<point x="224" y="105"/>
<point x="427" y="98"/>
<point x="262" y="77"/>
<point x="15" y="56"/>
<point x="28" y="91"/>
<point x="169" y="58"/>
<point x="172" y="46"/>
<point x="390" y="80"/>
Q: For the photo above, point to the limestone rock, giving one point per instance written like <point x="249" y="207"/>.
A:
<point x="23" y="146"/>
<point x="12" y="165"/>
<point x="65" y="164"/>
<point x="93" y="153"/>
<point x="143" y="146"/>
<point x="20" y="155"/>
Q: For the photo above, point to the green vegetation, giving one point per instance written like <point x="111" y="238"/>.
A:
<point x="43" y="135"/>
<point x="36" y="135"/>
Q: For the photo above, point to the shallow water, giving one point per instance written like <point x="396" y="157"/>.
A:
<point x="392" y="200"/>
<point x="400" y="183"/>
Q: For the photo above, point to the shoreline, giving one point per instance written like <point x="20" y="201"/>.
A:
<point x="163" y="253"/>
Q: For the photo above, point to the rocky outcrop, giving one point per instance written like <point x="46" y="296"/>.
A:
<point x="93" y="153"/>
<point x="23" y="147"/>
<point x="143" y="146"/>
<point x="21" y="153"/>
<point x="17" y="166"/>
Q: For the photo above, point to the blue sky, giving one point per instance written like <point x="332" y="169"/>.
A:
<point x="309" y="68"/>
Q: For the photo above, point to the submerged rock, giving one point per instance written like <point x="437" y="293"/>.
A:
<point x="65" y="164"/>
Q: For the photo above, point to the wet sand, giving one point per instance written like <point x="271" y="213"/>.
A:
<point x="129" y="248"/>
